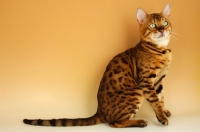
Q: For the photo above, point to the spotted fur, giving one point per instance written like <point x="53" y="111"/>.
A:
<point x="130" y="77"/>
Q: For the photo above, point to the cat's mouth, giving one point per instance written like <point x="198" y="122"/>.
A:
<point x="161" y="35"/>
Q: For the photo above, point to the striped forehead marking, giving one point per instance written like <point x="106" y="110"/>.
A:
<point x="156" y="16"/>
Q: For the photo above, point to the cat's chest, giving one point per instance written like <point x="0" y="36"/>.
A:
<point x="160" y="60"/>
<point x="157" y="64"/>
<point x="167" y="56"/>
<point x="163" y="64"/>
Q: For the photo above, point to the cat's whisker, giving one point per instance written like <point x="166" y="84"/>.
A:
<point x="176" y="33"/>
<point x="173" y="37"/>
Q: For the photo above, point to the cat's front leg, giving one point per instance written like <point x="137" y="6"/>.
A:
<point x="159" y="88"/>
<point x="152" y="97"/>
<point x="167" y="112"/>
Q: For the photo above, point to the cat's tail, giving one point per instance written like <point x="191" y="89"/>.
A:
<point x="93" y="120"/>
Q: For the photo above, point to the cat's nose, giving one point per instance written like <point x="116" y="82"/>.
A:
<point x="162" y="31"/>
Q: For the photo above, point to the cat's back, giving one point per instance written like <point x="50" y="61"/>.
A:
<point x="119" y="69"/>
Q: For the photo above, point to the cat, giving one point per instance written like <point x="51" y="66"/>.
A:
<point x="131" y="76"/>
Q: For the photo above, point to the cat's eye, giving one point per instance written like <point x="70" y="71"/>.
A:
<point x="165" y="23"/>
<point x="152" y="25"/>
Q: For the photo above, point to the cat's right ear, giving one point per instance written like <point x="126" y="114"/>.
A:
<point x="166" y="11"/>
<point x="141" y="16"/>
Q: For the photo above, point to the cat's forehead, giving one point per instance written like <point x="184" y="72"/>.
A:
<point x="157" y="17"/>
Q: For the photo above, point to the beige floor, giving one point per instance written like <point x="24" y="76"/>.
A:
<point x="181" y="123"/>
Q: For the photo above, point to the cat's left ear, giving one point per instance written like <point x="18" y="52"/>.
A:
<point x="166" y="11"/>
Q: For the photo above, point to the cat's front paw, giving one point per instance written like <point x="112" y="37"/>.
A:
<point x="162" y="119"/>
<point x="167" y="113"/>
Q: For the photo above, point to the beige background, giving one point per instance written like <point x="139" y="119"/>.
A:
<point x="53" y="54"/>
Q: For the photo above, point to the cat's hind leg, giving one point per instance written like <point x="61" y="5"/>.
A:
<point x="131" y="105"/>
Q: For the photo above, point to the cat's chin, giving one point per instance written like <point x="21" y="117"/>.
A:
<point x="161" y="41"/>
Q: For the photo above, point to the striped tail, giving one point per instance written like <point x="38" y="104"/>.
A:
<point x="65" y="122"/>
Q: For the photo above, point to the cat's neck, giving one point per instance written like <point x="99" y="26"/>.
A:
<point x="155" y="45"/>
<point x="150" y="47"/>
<point x="160" y="44"/>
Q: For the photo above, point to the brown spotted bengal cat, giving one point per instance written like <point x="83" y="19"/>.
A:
<point x="130" y="76"/>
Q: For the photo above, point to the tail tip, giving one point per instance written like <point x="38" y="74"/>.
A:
<point x="26" y="121"/>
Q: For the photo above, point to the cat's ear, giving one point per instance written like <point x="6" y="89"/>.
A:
<point x="166" y="11"/>
<point x="141" y="16"/>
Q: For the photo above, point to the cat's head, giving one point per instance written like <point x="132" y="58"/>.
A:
<point x="155" y="28"/>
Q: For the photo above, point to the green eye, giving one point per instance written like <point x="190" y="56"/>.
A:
<point x="165" y="23"/>
<point x="152" y="25"/>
